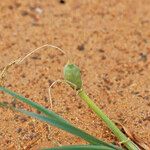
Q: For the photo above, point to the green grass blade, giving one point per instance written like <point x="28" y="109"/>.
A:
<point x="56" y="120"/>
<point x="78" y="132"/>
<point x="34" y="105"/>
<point x="80" y="147"/>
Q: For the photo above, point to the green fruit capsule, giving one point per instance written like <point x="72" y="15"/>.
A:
<point x="73" y="76"/>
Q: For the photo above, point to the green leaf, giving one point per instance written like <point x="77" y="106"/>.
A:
<point x="34" y="105"/>
<point x="80" y="147"/>
<point x="53" y="122"/>
<point x="56" y="120"/>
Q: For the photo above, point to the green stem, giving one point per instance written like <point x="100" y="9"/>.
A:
<point x="125" y="140"/>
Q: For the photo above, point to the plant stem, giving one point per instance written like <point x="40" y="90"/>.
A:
<point x="125" y="140"/>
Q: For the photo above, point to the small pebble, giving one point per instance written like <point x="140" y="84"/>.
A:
<point x="18" y="130"/>
<point x="23" y="119"/>
<point x="143" y="57"/>
<point x="39" y="10"/>
<point x="62" y="1"/>
<point x="80" y="47"/>
<point x="24" y="13"/>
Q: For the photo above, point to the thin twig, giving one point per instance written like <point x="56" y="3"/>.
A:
<point x="55" y="82"/>
<point x="20" y="60"/>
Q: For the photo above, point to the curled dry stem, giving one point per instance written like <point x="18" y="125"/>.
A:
<point x="20" y="60"/>
<point x="5" y="69"/>
<point x="55" y="82"/>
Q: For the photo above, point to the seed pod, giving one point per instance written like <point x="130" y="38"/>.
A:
<point x="73" y="76"/>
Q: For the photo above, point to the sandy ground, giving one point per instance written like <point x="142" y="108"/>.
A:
<point x="109" y="40"/>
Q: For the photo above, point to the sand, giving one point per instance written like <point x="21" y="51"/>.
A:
<point x="108" y="40"/>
